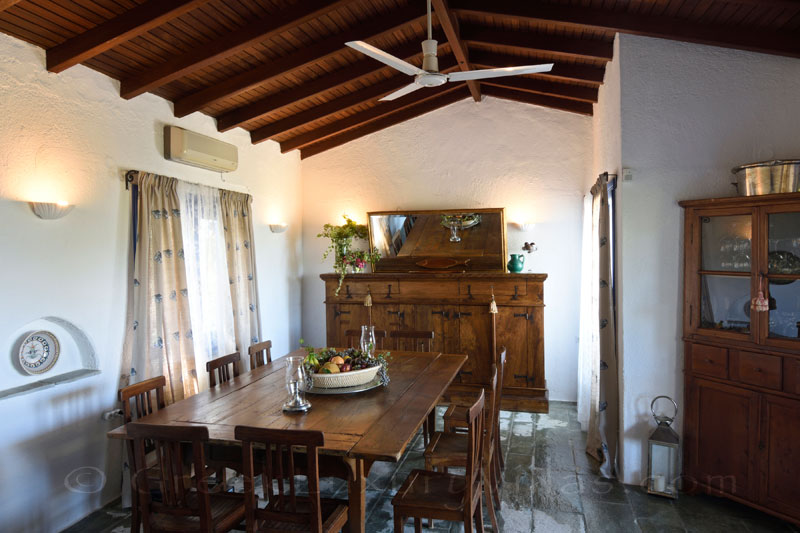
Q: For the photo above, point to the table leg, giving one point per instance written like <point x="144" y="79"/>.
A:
<point x="357" y="492"/>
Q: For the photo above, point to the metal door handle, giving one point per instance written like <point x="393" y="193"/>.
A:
<point x="445" y="314"/>
<point x="336" y="313"/>
<point x="526" y="316"/>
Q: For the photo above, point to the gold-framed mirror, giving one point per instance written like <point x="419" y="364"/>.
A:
<point x="447" y="240"/>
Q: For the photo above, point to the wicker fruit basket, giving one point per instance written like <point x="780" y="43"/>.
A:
<point x="346" y="379"/>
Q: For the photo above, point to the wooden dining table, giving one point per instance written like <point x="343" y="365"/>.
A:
<point x="359" y="429"/>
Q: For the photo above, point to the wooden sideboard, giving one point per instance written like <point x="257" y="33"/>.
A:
<point x="742" y="366"/>
<point x="455" y="306"/>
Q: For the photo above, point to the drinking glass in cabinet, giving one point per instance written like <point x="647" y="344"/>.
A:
<point x="725" y="303"/>
<point x="784" y="243"/>
<point x="725" y="242"/>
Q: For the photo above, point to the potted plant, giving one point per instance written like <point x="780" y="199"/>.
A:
<point x="341" y="240"/>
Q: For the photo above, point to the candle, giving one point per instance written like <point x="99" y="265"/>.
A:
<point x="659" y="483"/>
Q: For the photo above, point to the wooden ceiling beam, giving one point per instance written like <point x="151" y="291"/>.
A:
<point x="449" y="24"/>
<point x="120" y="29"/>
<point x="567" y="71"/>
<point x="527" y="41"/>
<point x="5" y="4"/>
<point x="309" y="55"/>
<point x="547" y="88"/>
<point x="562" y="104"/>
<point x="294" y="95"/>
<point x="353" y="99"/>
<point x="227" y="45"/>
<point x="362" y="117"/>
<point x="663" y="27"/>
<point x="452" y="95"/>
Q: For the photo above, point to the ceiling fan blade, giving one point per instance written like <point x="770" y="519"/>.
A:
<point x="499" y="72"/>
<point x="383" y="57"/>
<point x="402" y="92"/>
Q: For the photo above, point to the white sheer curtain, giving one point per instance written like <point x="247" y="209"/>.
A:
<point x="588" y="363"/>
<point x="207" y="279"/>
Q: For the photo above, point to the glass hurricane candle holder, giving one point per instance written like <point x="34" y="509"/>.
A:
<point x="367" y="344"/>
<point x="296" y="379"/>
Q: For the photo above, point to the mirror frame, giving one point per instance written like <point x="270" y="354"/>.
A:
<point x="440" y="263"/>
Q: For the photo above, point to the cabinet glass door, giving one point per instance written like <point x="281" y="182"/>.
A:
<point x="725" y="270"/>
<point x="783" y="258"/>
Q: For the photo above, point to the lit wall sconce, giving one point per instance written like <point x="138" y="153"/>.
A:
<point x="524" y="226"/>
<point x="50" y="211"/>
<point x="278" y="228"/>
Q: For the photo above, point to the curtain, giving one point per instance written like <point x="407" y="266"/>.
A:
<point x="241" y="263"/>
<point x="587" y="369"/>
<point x="207" y="279"/>
<point x="161" y="328"/>
<point x="604" y="412"/>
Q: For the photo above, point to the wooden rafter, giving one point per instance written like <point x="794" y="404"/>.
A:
<point x="449" y="24"/>
<point x="567" y="71"/>
<point x="227" y="45"/>
<point x="548" y="88"/>
<point x="441" y="99"/>
<point x="276" y="102"/>
<point x="528" y="41"/>
<point x="664" y="27"/>
<point x="124" y="27"/>
<point x="562" y="104"/>
<point x="5" y="4"/>
<point x="362" y="117"/>
<point x="309" y="55"/>
<point x="362" y="96"/>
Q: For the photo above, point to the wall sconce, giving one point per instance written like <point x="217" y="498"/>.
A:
<point x="50" y="211"/>
<point x="524" y="226"/>
<point x="278" y="228"/>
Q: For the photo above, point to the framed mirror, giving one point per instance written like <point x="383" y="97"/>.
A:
<point x="448" y="240"/>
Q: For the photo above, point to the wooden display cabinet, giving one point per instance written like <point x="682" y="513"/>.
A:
<point x="455" y="306"/>
<point x="742" y="366"/>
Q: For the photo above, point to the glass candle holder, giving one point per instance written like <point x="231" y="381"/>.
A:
<point x="368" y="340"/>
<point x="295" y="384"/>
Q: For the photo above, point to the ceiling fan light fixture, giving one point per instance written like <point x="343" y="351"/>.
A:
<point x="431" y="79"/>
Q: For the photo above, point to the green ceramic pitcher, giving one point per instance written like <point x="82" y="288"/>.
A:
<point x="516" y="263"/>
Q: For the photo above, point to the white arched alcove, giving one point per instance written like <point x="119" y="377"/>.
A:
<point x="77" y="358"/>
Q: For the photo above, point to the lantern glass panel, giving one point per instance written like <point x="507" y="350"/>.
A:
<point x="663" y="468"/>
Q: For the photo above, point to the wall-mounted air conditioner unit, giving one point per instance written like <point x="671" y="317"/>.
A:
<point x="198" y="150"/>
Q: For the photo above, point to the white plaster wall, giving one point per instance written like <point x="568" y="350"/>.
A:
<point x="689" y="114"/>
<point x="607" y="124"/>
<point x="70" y="136"/>
<point x="530" y="160"/>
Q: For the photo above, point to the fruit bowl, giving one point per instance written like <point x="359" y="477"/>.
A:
<point x="345" y="379"/>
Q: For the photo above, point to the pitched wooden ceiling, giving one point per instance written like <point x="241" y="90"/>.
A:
<point x="279" y="68"/>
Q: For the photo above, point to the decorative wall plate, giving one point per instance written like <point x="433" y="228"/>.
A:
<point x="38" y="352"/>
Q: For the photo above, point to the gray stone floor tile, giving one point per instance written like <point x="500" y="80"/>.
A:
<point x="604" y="517"/>
<point x="599" y="489"/>
<point x="549" y="521"/>
<point x="556" y="491"/>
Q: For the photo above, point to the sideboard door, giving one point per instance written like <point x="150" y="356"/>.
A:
<point x="780" y="449"/>
<point x="475" y="327"/>
<point x="443" y="321"/>
<point x="341" y="317"/>
<point x="513" y="332"/>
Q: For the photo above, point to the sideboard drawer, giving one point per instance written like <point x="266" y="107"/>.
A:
<point x="709" y="360"/>
<point x="791" y="375"/>
<point x="757" y="369"/>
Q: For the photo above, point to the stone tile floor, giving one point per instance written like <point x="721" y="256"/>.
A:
<point x="550" y="486"/>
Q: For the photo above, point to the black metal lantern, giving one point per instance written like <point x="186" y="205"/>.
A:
<point x="663" y="464"/>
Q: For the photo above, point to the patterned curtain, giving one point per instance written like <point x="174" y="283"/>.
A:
<point x="604" y="408"/>
<point x="161" y="328"/>
<point x="241" y="267"/>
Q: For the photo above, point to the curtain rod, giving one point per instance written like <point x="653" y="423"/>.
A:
<point x="132" y="178"/>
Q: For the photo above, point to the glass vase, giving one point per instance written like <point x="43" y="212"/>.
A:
<point x="368" y="340"/>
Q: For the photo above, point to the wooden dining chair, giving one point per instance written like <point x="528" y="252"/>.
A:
<point x="260" y="354"/>
<point x="219" y="368"/>
<point x="286" y="509"/>
<point x="449" y="449"/>
<point x="412" y="340"/>
<point x="186" y="504"/>
<point x="445" y="496"/>
<point x="144" y="403"/>
<point x="353" y="338"/>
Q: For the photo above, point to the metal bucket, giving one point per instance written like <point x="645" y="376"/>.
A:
<point x="768" y="177"/>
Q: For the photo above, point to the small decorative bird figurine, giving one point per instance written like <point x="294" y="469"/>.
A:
<point x="529" y="247"/>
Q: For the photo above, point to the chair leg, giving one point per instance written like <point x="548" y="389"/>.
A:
<point x="499" y="449"/>
<point x="488" y="494"/>
<point x="417" y="525"/>
<point x="479" y="516"/>
<point x="468" y="527"/>
<point x="425" y="433"/>
<point x="136" y="517"/>
<point x="398" y="522"/>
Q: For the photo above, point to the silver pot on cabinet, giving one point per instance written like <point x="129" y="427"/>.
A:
<point x="768" y="177"/>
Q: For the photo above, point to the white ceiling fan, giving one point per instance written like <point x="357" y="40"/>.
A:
<point x="429" y="75"/>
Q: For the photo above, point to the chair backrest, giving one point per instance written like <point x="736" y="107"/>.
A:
<point x="260" y="354"/>
<point x="474" y="420"/>
<point x="142" y="395"/>
<point x="353" y="338"/>
<point x="413" y="340"/>
<point x="219" y="368"/>
<point x="178" y="500"/>
<point x="278" y="468"/>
